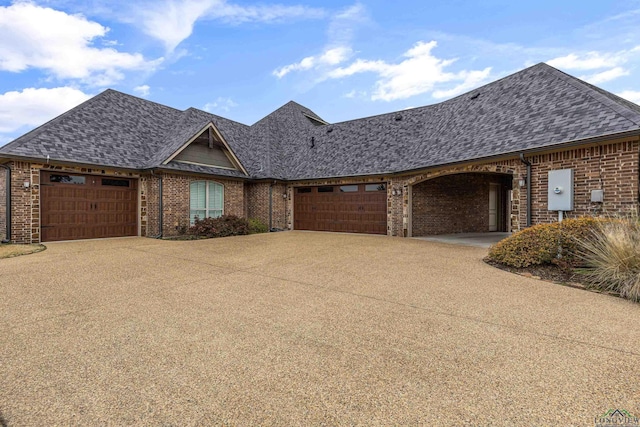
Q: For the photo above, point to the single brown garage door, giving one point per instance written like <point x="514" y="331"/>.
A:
<point x="357" y="208"/>
<point x="77" y="206"/>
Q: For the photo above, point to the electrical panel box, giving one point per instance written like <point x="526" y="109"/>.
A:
<point x="560" y="193"/>
<point x="597" y="196"/>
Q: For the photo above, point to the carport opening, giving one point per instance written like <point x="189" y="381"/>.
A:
<point x="461" y="203"/>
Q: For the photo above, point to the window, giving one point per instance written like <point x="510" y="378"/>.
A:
<point x="325" y="189"/>
<point x="304" y="190"/>
<point x="206" y="200"/>
<point x="115" y="182"/>
<point x="375" y="187"/>
<point x="67" y="179"/>
<point x="348" y="188"/>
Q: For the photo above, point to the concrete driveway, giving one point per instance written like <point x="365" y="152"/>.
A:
<point x="303" y="328"/>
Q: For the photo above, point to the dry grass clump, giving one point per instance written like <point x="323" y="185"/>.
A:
<point x="612" y="257"/>
<point x="9" y="251"/>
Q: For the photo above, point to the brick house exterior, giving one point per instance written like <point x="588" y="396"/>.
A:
<point x="458" y="166"/>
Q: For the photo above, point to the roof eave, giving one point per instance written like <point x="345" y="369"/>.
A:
<point x="515" y="153"/>
<point x="4" y="157"/>
<point x="184" y="172"/>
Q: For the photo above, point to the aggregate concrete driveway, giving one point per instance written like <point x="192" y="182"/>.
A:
<point x="303" y="328"/>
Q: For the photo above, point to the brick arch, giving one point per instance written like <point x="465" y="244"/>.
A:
<point x="427" y="223"/>
<point x="503" y="169"/>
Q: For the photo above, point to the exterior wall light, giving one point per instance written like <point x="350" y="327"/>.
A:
<point x="27" y="184"/>
<point x="522" y="182"/>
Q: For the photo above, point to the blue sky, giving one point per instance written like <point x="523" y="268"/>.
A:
<point x="342" y="59"/>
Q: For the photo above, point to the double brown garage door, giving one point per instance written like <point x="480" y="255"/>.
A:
<point x="360" y="208"/>
<point x="87" y="207"/>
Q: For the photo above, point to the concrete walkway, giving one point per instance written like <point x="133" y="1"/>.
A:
<point x="303" y="329"/>
<point x="479" y="240"/>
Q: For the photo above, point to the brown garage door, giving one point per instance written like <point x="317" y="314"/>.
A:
<point x="77" y="206"/>
<point x="357" y="208"/>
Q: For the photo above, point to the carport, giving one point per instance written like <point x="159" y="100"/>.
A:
<point x="472" y="202"/>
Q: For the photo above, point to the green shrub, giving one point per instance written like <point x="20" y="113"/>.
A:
<point x="223" y="226"/>
<point x="542" y="244"/>
<point x="612" y="257"/>
<point x="256" y="226"/>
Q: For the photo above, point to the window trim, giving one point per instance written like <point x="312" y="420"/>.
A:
<point x="206" y="198"/>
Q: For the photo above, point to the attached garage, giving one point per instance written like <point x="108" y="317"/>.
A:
<point x="352" y="208"/>
<point x="75" y="206"/>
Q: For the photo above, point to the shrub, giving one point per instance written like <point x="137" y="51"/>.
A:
<point x="612" y="257"/>
<point x="256" y="226"/>
<point x="223" y="226"/>
<point x="542" y="244"/>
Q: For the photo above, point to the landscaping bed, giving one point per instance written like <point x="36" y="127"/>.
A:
<point x="596" y="254"/>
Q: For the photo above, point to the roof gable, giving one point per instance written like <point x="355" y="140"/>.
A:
<point x="110" y="129"/>
<point x="208" y="148"/>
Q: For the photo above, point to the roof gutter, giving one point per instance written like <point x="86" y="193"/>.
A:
<point x="40" y="160"/>
<point x="528" y="164"/>
<point x="7" y="238"/>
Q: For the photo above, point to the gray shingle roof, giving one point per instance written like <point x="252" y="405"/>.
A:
<point x="535" y="108"/>
<point x="110" y="129"/>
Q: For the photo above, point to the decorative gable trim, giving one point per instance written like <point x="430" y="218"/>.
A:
<point x="210" y="127"/>
<point x="315" y="120"/>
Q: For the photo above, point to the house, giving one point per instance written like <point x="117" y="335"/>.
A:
<point x="118" y="165"/>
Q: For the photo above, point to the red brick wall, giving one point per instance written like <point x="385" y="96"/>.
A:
<point x="455" y="204"/>
<point x="258" y="201"/>
<point x="175" y="206"/>
<point x="3" y="204"/>
<point x="21" y="209"/>
<point x="612" y="168"/>
<point x="149" y="208"/>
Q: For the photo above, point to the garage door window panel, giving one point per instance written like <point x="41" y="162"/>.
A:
<point x="67" y="179"/>
<point x="206" y="200"/>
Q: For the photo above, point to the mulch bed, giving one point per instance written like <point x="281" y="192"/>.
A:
<point x="549" y="273"/>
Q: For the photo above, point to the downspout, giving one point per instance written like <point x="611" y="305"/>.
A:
<point x="528" y="164"/>
<point x="160" y="209"/>
<point x="8" y="204"/>
<point x="271" y="207"/>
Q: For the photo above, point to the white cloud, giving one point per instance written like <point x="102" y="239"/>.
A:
<point x="262" y="13"/>
<point x="172" y="21"/>
<point x="338" y="48"/>
<point x="631" y="95"/>
<point x="332" y="56"/>
<point x="143" y="90"/>
<point x="607" y="64"/>
<point x="33" y="107"/>
<point x="419" y="73"/>
<point x="606" y="76"/>
<point x="588" y="61"/>
<point x="355" y="94"/>
<point x="220" y="104"/>
<point x="61" y="44"/>
<point x="470" y="80"/>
